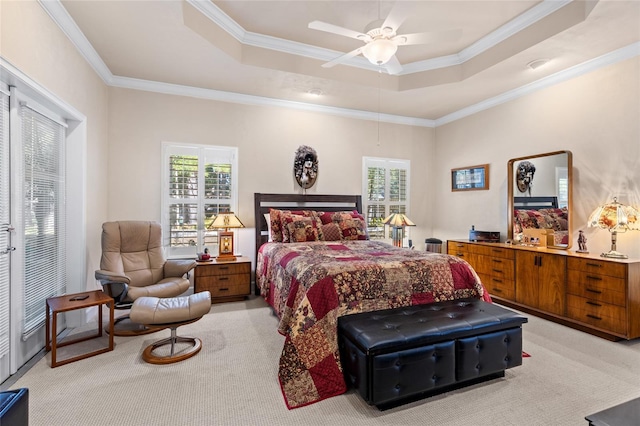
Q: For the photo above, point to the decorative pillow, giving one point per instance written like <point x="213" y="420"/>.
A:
<point x="299" y="229"/>
<point x="351" y="224"/>
<point x="275" y="228"/>
<point x="267" y="218"/>
<point x="331" y="232"/>
<point x="288" y="216"/>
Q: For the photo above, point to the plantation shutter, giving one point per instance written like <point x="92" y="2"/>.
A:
<point x="43" y="222"/>
<point x="4" y="224"/>
<point x="385" y="191"/>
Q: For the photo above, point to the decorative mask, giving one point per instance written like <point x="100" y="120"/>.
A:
<point x="524" y="177"/>
<point x="305" y="166"/>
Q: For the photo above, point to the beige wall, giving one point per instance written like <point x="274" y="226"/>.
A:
<point x="34" y="44"/>
<point x="595" y="116"/>
<point x="266" y="137"/>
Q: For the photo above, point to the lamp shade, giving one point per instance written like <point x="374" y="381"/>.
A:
<point x="379" y="51"/>
<point x="616" y="218"/>
<point x="225" y="221"/>
<point x="398" y="220"/>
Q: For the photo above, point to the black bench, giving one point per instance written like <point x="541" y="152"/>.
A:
<point x="399" y="355"/>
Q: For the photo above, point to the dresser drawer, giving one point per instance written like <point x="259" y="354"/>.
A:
<point x="499" y="287"/>
<point x="597" y="287"/>
<point x="231" y="268"/>
<point x="457" y="248"/>
<point x="602" y="315"/>
<point x="500" y="252"/>
<point x="596" y="266"/>
<point x="495" y="267"/>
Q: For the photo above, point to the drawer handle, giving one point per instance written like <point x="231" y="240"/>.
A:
<point x="224" y="268"/>
<point x="495" y="280"/>
<point x="498" y="271"/>
<point x="497" y="290"/>
<point x="593" y="303"/>
<point x="594" y="317"/>
<point x="224" y="289"/>
<point x="591" y="277"/>
<point x="460" y="254"/>
<point x="595" y="265"/>
<point x="459" y="245"/>
<point x="496" y="250"/>
<point x="593" y="291"/>
<point x="223" y="278"/>
<point x="496" y="260"/>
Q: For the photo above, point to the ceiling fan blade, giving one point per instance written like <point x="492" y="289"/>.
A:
<point x="342" y="58"/>
<point x="399" y="12"/>
<point x="334" y="29"/>
<point x="393" y="66"/>
<point x="426" y="38"/>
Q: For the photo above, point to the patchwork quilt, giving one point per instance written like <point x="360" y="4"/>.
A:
<point x="309" y="285"/>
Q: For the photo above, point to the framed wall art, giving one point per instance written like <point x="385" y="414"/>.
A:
<point x="470" y="178"/>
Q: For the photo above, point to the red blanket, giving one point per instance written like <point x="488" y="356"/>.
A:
<point x="310" y="285"/>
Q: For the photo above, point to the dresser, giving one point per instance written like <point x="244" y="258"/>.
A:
<point x="226" y="281"/>
<point x="584" y="291"/>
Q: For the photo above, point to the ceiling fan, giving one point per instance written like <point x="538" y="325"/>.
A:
<point x="382" y="40"/>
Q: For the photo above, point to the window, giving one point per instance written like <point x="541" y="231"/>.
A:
<point x="385" y="191"/>
<point x="562" y="186"/>
<point x="200" y="182"/>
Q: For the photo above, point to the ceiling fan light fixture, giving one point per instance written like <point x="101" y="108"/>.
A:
<point x="379" y="51"/>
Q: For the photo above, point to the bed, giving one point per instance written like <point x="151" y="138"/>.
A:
<point x="310" y="283"/>
<point x="541" y="213"/>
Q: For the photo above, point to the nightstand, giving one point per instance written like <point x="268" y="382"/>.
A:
<point x="226" y="281"/>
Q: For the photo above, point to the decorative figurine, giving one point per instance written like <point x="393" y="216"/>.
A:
<point x="582" y="243"/>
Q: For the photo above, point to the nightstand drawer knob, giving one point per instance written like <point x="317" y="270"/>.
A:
<point x="223" y="278"/>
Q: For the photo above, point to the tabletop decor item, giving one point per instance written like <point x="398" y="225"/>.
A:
<point x="615" y="217"/>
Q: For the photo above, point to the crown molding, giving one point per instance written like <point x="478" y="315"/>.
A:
<point x="61" y="17"/>
<point x="610" y="58"/>
<point x="238" y="98"/>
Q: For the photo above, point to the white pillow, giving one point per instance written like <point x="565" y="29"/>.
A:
<point x="267" y="217"/>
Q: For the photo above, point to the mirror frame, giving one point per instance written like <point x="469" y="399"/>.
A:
<point x="510" y="194"/>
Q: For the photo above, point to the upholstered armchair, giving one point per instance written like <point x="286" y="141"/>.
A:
<point x="133" y="266"/>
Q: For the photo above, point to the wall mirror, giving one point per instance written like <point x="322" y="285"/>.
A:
<point x="539" y="199"/>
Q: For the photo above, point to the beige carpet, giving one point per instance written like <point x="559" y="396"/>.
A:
<point x="233" y="381"/>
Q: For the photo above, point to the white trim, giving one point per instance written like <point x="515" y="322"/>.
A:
<point x="64" y="21"/>
<point x="60" y="16"/>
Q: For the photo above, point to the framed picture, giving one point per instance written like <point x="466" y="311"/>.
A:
<point x="470" y="178"/>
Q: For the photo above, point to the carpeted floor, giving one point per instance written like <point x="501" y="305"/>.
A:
<point x="233" y="381"/>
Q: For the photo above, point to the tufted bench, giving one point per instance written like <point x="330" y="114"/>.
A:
<point x="399" y="355"/>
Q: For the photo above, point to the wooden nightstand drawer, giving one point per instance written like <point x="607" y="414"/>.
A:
<point x="226" y="285"/>
<point x="602" y="315"/>
<point x="227" y="268"/>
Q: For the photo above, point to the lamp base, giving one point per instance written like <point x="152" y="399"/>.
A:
<point x="614" y="255"/>
<point x="226" y="258"/>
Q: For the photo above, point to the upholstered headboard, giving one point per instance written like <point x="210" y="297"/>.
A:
<point x="327" y="203"/>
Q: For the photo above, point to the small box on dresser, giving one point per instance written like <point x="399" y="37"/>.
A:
<point x="226" y="281"/>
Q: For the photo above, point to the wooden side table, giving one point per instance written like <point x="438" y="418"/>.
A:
<point x="226" y="281"/>
<point x="70" y="302"/>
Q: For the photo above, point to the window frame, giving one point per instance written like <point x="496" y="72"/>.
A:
<point x="204" y="238"/>
<point x="387" y="164"/>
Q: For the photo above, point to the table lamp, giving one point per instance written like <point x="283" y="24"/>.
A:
<point x="226" y="221"/>
<point x="397" y="222"/>
<point x="616" y="218"/>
